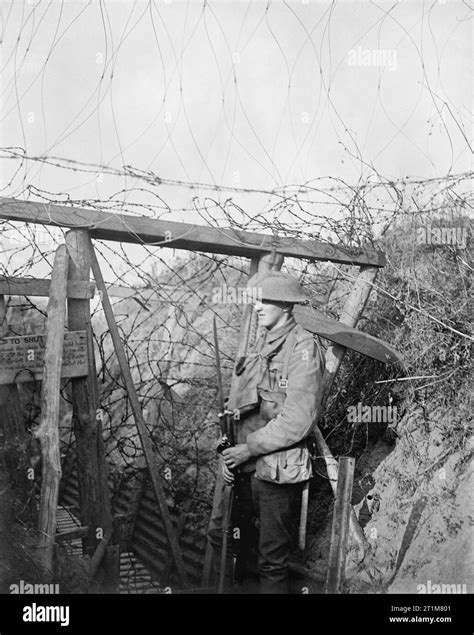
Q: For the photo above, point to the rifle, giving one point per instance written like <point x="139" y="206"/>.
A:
<point x="227" y="441"/>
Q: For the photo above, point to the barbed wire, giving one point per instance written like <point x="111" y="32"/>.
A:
<point x="165" y="324"/>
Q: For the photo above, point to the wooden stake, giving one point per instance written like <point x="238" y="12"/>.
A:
<point x="138" y="416"/>
<point x="48" y="429"/>
<point x="355" y="530"/>
<point x="340" y="526"/>
<point x="94" y="495"/>
<point x="303" y="516"/>
<point x="99" y="553"/>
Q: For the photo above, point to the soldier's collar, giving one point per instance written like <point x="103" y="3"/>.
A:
<point x="289" y="325"/>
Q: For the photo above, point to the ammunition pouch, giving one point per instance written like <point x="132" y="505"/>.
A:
<point x="292" y="465"/>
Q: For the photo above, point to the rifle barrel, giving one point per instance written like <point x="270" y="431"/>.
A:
<point x="218" y="366"/>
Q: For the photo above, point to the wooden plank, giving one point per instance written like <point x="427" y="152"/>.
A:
<point x="71" y="534"/>
<point x="22" y="357"/>
<point x="138" y="416"/>
<point x="48" y="429"/>
<point x="94" y="497"/>
<point x="344" y="335"/>
<point x="340" y="526"/>
<point x="136" y="229"/>
<point x="37" y="287"/>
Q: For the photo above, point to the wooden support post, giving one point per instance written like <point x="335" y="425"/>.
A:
<point x="112" y="556"/>
<point x="48" y="429"/>
<point x="137" y="489"/>
<point x="138" y="416"/>
<point x="340" y="526"/>
<point x="99" y="553"/>
<point x="94" y="495"/>
<point x="179" y="531"/>
<point x="257" y="265"/>
<point x="350" y="315"/>
<point x="303" y="516"/>
<point x="15" y="454"/>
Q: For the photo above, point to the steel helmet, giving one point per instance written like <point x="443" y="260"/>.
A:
<point x="276" y="286"/>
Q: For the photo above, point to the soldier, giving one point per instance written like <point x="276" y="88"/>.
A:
<point x="275" y="406"/>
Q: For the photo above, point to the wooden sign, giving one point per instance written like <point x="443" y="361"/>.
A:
<point x="21" y="357"/>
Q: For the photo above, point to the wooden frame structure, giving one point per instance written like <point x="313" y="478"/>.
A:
<point x="266" y="252"/>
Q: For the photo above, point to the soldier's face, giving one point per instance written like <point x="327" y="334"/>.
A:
<point x="272" y="315"/>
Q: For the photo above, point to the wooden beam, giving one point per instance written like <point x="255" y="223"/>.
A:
<point x="94" y="497"/>
<point x="336" y="331"/>
<point x="71" y="534"/>
<point x="137" y="229"/>
<point x="48" y="429"/>
<point x="37" y="287"/>
<point x="340" y="526"/>
<point x="138" y="416"/>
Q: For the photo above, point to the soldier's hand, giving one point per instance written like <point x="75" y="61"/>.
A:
<point x="227" y="474"/>
<point x="235" y="456"/>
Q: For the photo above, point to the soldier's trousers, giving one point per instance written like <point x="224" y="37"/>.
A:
<point x="264" y="518"/>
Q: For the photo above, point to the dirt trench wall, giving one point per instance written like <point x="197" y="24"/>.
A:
<point x="422" y="512"/>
